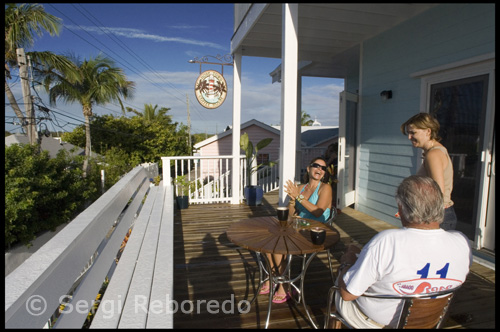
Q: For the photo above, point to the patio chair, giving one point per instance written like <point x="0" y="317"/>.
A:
<point x="333" y="215"/>
<point x="419" y="311"/>
<point x="329" y="222"/>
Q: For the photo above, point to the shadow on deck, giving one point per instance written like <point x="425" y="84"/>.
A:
<point x="212" y="275"/>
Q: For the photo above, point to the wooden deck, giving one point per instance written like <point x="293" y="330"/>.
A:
<point x="208" y="267"/>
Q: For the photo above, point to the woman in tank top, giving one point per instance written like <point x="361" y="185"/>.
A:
<point x="312" y="200"/>
<point x="422" y="130"/>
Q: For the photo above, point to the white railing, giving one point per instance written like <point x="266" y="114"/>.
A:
<point x="35" y="290"/>
<point x="268" y="178"/>
<point x="210" y="177"/>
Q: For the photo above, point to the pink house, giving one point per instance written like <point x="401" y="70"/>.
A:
<point x="221" y="144"/>
<point x="314" y="141"/>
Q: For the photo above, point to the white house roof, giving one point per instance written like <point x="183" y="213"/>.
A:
<point x="50" y="144"/>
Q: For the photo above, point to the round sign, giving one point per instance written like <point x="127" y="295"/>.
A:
<point x="210" y="89"/>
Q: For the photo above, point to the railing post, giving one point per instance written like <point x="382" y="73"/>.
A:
<point x="167" y="180"/>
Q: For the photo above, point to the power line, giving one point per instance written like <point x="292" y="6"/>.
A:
<point x="131" y="52"/>
<point x="127" y="49"/>
<point x="134" y="68"/>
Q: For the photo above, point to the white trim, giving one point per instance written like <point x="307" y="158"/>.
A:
<point x="458" y="70"/>
<point x="454" y="65"/>
<point x="276" y="73"/>
<point x="251" y="17"/>
<point x="235" y="184"/>
<point x="289" y="61"/>
<point x="358" y="126"/>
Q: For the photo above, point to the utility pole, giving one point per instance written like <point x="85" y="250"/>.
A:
<point x="189" y="126"/>
<point x="28" y="103"/>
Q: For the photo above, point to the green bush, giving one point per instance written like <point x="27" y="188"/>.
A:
<point x="42" y="193"/>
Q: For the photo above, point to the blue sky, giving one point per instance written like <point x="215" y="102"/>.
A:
<point x="153" y="44"/>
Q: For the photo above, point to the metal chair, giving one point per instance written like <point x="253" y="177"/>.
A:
<point x="329" y="222"/>
<point x="419" y="311"/>
<point x="333" y="215"/>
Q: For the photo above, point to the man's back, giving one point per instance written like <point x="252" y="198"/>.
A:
<point x="407" y="261"/>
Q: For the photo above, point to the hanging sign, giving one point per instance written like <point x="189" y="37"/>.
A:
<point x="210" y="89"/>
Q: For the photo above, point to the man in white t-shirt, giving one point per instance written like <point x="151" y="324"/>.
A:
<point x="418" y="258"/>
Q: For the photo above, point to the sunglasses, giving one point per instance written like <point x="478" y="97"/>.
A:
<point x="315" y="165"/>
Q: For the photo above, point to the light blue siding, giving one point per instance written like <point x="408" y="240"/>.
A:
<point x="445" y="34"/>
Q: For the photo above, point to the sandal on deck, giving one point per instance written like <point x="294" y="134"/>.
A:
<point x="264" y="290"/>
<point x="281" y="298"/>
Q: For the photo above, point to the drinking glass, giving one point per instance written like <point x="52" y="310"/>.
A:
<point x="282" y="213"/>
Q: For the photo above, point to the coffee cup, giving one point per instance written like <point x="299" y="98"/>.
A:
<point x="318" y="235"/>
<point x="282" y="213"/>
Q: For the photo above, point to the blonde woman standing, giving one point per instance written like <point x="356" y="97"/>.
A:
<point x="422" y="130"/>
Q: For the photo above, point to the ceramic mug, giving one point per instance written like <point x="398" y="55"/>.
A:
<point x="318" y="235"/>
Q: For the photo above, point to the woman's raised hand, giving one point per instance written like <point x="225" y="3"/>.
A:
<point x="292" y="189"/>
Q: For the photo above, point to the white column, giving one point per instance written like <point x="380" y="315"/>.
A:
<point x="289" y="65"/>
<point x="298" y="131"/>
<point x="235" y="183"/>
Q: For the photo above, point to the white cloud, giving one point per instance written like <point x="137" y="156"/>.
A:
<point x="188" y="27"/>
<point x="140" y="34"/>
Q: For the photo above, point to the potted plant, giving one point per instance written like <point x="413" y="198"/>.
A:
<point x="183" y="186"/>
<point x="253" y="193"/>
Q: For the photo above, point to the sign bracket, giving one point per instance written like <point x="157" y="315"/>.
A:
<point x="224" y="60"/>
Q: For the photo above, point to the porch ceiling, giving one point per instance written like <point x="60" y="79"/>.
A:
<point x="329" y="34"/>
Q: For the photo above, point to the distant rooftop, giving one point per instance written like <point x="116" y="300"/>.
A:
<point x="311" y="135"/>
<point x="50" y="144"/>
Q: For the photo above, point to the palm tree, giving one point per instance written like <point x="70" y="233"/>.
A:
<point x="98" y="82"/>
<point x="22" y="23"/>
<point x="149" y="113"/>
<point x="306" y="119"/>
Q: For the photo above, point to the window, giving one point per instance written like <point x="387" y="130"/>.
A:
<point x="262" y="158"/>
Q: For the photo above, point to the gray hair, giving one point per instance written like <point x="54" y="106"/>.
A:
<point x="420" y="200"/>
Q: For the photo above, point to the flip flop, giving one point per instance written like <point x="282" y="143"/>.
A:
<point x="281" y="298"/>
<point x="264" y="290"/>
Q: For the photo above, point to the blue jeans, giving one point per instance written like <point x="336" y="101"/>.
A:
<point x="449" y="220"/>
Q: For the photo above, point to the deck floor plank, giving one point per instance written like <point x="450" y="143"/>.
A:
<point x="208" y="267"/>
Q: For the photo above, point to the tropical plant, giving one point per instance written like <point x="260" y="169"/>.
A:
<point x="251" y="154"/>
<point x="183" y="185"/>
<point x="139" y="140"/>
<point x="97" y="82"/>
<point x="22" y="23"/>
<point x="306" y="119"/>
<point x="149" y="113"/>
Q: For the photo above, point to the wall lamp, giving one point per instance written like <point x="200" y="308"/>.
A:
<point x="386" y="94"/>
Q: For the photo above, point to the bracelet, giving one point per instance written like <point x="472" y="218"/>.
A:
<point x="299" y="198"/>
